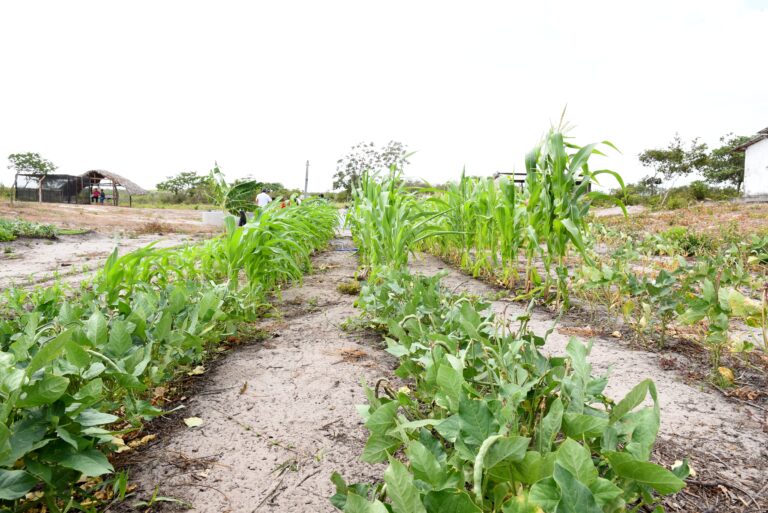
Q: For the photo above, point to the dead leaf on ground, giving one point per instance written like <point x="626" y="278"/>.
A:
<point x="352" y="355"/>
<point x="141" y="441"/>
<point x="746" y="393"/>
<point x="197" y="371"/>
<point x="243" y="388"/>
<point x="193" y="422"/>
<point x="585" y="331"/>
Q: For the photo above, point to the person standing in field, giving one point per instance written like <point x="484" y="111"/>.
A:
<point x="263" y="199"/>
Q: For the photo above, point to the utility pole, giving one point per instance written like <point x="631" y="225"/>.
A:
<point x="306" y="180"/>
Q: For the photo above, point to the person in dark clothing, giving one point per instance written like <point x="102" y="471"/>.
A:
<point x="243" y="219"/>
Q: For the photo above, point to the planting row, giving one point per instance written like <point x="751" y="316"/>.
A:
<point x="77" y="370"/>
<point x="487" y="423"/>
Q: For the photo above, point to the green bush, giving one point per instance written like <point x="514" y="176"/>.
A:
<point x="699" y="190"/>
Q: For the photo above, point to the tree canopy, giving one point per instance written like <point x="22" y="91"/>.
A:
<point x="676" y="160"/>
<point x="725" y="165"/>
<point x="367" y="157"/>
<point x="30" y="163"/>
<point x="184" y="182"/>
<point x="721" y="165"/>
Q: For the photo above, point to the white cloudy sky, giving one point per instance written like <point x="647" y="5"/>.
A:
<point x="150" y="89"/>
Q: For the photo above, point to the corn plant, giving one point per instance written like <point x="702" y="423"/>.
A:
<point x="387" y="221"/>
<point x="558" y="202"/>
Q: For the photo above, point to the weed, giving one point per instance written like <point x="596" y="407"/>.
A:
<point x="350" y="287"/>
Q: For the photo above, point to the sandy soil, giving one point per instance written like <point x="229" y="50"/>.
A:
<point x="279" y="416"/>
<point x="106" y="218"/>
<point x="616" y="211"/>
<point x="28" y="262"/>
<point x="272" y="445"/>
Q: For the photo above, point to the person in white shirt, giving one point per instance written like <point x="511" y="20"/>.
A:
<point x="263" y="199"/>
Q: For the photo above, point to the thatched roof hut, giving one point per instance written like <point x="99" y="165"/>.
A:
<point x="97" y="175"/>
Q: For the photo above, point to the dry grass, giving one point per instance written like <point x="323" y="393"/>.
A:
<point x="711" y="218"/>
<point x="154" y="227"/>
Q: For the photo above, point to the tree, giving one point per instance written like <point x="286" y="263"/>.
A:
<point x="366" y="157"/>
<point x="184" y="182"/>
<point x="675" y="160"/>
<point x="32" y="164"/>
<point x="725" y="165"/>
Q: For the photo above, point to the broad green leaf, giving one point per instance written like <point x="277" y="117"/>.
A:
<point x="576" y="425"/>
<point x="89" y="462"/>
<point x="546" y="494"/>
<point x="425" y="465"/>
<point x="95" y="418"/>
<point x="575" y="496"/>
<point x="96" y="329"/>
<point x="44" y="391"/>
<point x="48" y="352"/>
<point x="658" y="478"/>
<point x="604" y="491"/>
<point x="634" y="398"/>
<point x="450" y="501"/>
<point x="549" y="426"/>
<point x="380" y="444"/>
<point x="533" y="468"/>
<point x="77" y="355"/>
<point x="450" y="381"/>
<point x="15" y="484"/>
<point x="506" y="449"/>
<point x="577" y="460"/>
<point x="476" y="421"/>
<point x="402" y="492"/>
<point x="357" y="504"/>
<point x="26" y="435"/>
<point x="119" y="338"/>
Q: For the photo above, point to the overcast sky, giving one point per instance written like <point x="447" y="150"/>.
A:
<point x="150" y="89"/>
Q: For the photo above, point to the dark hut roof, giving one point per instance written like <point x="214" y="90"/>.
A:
<point x="132" y="188"/>
<point x="762" y="134"/>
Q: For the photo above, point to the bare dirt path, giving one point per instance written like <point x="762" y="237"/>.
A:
<point x="725" y="440"/>
<point x="279" y="416"/>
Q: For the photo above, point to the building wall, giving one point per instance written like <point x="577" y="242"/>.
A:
<point x="756" y="169"/>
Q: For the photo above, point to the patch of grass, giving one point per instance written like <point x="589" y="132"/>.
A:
<point x="350" y="287"/>
<point x="73" y="231"/>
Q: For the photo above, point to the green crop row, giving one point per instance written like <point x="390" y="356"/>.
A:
<point x="488" y="423"/>
<point x="77" y="370"/>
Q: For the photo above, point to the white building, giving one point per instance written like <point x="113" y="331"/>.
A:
<point x="756" y="165"/>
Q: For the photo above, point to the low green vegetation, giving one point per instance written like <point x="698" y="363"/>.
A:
<point x="78" y="368"/>
<point x="488" y="423"/>
<point x="11" y="229"/>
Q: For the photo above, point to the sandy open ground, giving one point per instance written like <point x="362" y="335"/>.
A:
<point x="28" y="262"/>
<point x="106" y="218"/>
